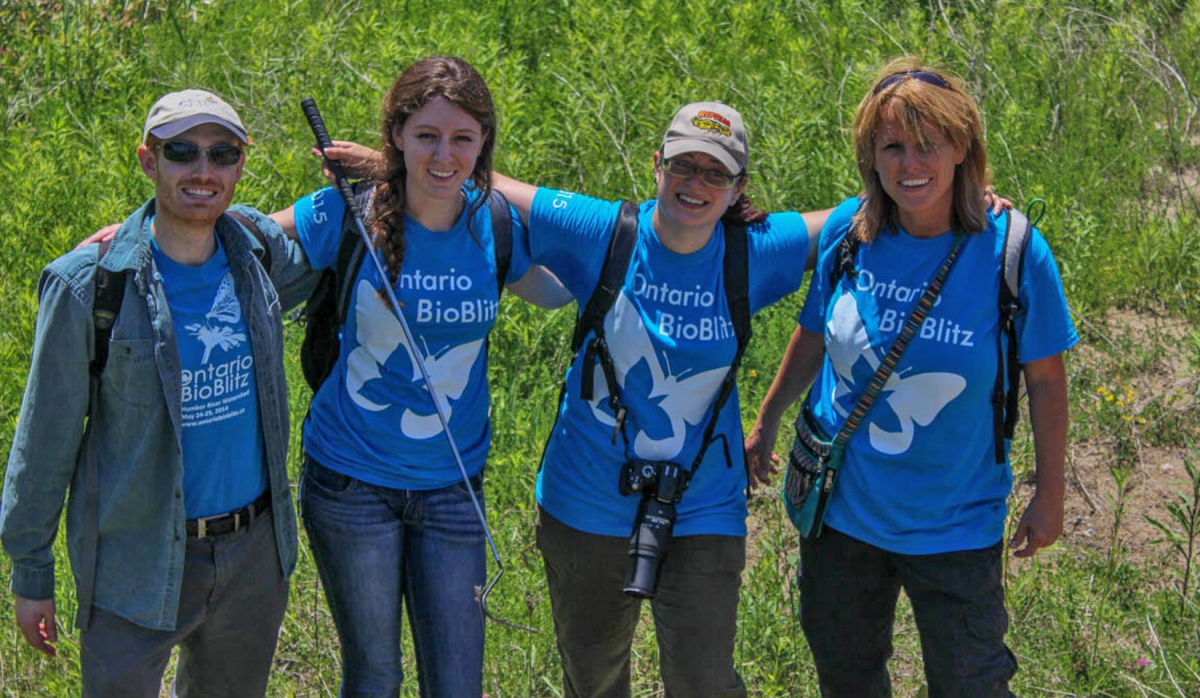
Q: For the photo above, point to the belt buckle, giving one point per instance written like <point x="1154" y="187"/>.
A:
<point x="237" y="521"/>
<point x="201" y="529"/>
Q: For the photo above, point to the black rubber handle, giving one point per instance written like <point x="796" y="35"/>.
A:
<point x="313" y="114"/>
<point x="317" y="124"/>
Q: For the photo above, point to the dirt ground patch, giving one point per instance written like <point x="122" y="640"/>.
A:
<point x="1161" y="391"/>
<point x="1176" y="187"/>
<point x="1161" y="385"/>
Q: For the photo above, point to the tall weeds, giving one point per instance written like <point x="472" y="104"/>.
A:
<point x="1089" y="104"/>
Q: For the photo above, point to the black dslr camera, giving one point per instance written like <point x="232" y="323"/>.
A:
<point x="662" y="484"/>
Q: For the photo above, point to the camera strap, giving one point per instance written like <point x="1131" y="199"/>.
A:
<point x="737" y="294"/>
<point x="888" y="365"/>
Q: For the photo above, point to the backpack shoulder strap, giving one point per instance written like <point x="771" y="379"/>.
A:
<point x="737" y="282"/>
<point x="1006" y="394"/>
<point x="1016" y="240"/>
<point x="109" y="293"/>
<point x="264" y="257"/>
<point x="612" y="275"/>
<point x="501" y="236"/>
<point x="843" y="258"/>
<point x="352" y="250"/>
<point x="604" y="295"/>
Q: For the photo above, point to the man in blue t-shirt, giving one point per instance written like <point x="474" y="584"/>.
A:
<point x="180" y="527"/>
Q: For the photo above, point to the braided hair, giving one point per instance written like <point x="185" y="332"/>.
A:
<point x="456" y="81"/>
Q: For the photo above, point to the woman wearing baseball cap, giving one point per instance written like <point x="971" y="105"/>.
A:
<point x="615" y="467"/>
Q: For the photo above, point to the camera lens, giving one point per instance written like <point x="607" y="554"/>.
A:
<point x="648" y="545"/>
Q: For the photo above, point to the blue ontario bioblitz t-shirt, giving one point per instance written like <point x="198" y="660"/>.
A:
<point x="671" y="337"/>
<point x="373" y="418"/>
<point x="224" y="465"/>
<point x="920" y="475"/>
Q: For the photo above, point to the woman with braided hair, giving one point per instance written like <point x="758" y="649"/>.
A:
<point x="389" y="519"/>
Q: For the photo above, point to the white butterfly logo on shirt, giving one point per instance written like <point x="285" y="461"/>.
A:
<point x="916" y="400"/>
<point x="685" y="401"/>
<point x="226" y="309"/>
<point x="379" y="334"/>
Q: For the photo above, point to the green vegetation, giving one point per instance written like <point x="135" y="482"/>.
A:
<point x="1090" y="105"/>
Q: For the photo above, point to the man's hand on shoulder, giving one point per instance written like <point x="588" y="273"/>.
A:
<point x="36" y="621"/>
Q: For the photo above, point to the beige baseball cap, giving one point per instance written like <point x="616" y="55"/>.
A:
<point x="179" y="111"/>
<point x="712" y="128"/>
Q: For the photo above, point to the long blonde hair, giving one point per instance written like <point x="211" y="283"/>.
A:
<point x="908" y="89"/>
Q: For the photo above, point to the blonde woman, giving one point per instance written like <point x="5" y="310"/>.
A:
<point x="920" y="502"/>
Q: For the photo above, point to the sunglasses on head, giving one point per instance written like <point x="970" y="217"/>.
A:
<point x="219" y="155"/>
<point x="717" y="179"/>
<point x="925" y="76"/>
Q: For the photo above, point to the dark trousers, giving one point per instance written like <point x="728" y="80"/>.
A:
<point x="230" y="609"/>
<point x="848" y="594"/>
<point x="695" y="612"/>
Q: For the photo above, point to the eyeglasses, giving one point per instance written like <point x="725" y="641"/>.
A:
<point x="219" y="155"/>
<point x="925" y="76"/>
<point x="717" y="179"/>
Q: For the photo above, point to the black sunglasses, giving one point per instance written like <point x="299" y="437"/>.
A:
<point x="219" y="155"/>
<point x="925" y="76"/>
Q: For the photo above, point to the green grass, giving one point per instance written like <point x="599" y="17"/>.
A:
<point x="1089" y="105"/>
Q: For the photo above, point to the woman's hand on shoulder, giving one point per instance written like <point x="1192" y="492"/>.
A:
<point x="105" y="234"/>
<point x="357" y="160"/>
<point x="997" y="203"/>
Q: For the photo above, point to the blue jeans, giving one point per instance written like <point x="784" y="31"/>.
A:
<point x="377" y="548"/>
<point x="848" y="593"/>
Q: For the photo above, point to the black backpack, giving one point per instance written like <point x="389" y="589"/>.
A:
<point x="612" y="278"/>
<point x="1012" y="265"/>
<point x="325" y="312"/>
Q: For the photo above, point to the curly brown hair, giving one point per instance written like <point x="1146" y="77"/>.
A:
<point x="920" y="106"/>
<point x="458" y="82"/>
<point x="742" y="212"/>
